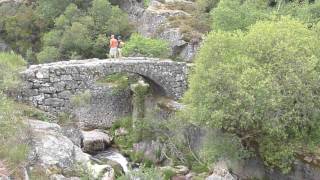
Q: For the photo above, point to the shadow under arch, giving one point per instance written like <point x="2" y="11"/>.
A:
<point x="156" y="88"/>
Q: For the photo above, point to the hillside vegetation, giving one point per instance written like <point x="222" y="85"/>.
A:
<point x="254" y="87"/>
<point x="257" y="77"/>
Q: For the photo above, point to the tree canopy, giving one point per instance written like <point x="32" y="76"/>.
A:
<point x="262" y="85"/>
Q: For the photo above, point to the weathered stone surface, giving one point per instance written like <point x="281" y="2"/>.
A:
<point x="52" y="150"/>
<point x="221" y="172"/>
<point x="104" y="107"/>
<point x="153" y="22"/>
<point x="149" y="150"/>
<point x="95" y="140"/>
<point x="73" y="133"/>
<point x="56" y="153"/>
<point x="50" y="86"/>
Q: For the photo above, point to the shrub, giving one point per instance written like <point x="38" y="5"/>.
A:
<point x="48" y="54"/>
<point x="76" y="38"/>
<point x="231" y="15"/>
<point x="10" y="65"/>
<point x="235" y="14"/>
<point x="139" y="45"/>
<point x="206" y="5"/>
<point x="262" y="86"/>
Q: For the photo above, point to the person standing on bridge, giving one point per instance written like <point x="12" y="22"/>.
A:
<point x="113" y="47"/>
<point x="120" y="46"/>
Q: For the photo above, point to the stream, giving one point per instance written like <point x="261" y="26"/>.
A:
<point x="115" y="156"/>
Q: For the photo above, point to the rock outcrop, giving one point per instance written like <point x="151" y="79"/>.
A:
<point x="221" y="172"/>
<point x="150" y="150"/>
<point x="95" y="140"/>
<point x="153" y="21"/>
<point x="53" y="151"/>
<point x="57" y="155"/>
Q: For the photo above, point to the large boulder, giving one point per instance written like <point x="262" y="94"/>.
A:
<point x="221" y="172"/>
<point x="73" y="132"/>
<point x="53" y="151"/>
<point x="56" y="154"/>
<point x="150" y="150"/>
<point x="95" y="140"/>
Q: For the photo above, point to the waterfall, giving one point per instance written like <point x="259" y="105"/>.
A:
<point x="116" y="157"/>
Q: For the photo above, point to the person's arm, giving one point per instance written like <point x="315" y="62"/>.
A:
<point x="110" y="42"/>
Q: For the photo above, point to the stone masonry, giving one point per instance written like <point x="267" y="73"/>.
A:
<point x="50" y="86"/>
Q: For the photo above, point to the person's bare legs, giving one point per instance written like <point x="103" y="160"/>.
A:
<point x="119" y="53"/>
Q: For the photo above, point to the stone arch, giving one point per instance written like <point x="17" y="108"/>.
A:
<point x="50" y="86"/>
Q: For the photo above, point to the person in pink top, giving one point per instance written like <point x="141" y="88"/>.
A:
<point x="113" y="47"/>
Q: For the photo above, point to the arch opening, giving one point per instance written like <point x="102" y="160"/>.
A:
<point x="124" y="79"/>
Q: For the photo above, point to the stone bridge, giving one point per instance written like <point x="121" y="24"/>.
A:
<point x="50" y="86"/>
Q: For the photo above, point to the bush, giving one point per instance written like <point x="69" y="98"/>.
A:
<point x="206" y="5"/>
<point x="48" y="54"/>
<point x="142" y="46"/>
<point x="234" y="14"/>
<point x="262" y="86"/>
<point x="10" y="66"/>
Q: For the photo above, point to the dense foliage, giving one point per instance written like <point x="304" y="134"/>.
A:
<point x="263" y="86"/>
<point x="139" y="45"/>
<point x="238" y="14"/>
<point x="47" y="30"/>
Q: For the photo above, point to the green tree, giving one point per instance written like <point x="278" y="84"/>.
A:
<point x="139" y="45"/>
<point x="10" y="65"/>
<point x="49" y="10"/>
<point x="48" y="54"/>
<point x="236" y="14"/>
<point x="76" y="38"/>
<point x="232" y="15"/>
<point x="100" y="47"/>
<point x="81" y="33"/>
<point x="20" y="30"/>
<point x="262" y="86"/>
<point x="52" y="38"/>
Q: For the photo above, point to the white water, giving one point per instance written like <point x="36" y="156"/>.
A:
<point x="116" y="157"/>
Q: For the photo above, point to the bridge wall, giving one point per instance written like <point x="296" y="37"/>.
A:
<point x="50" y="86"/>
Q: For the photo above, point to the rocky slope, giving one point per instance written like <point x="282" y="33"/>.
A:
<point x="154" y="21"/>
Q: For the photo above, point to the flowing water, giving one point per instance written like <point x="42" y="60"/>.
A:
<point x="114" y="156"/>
